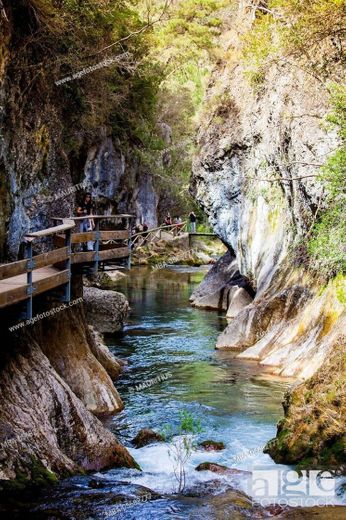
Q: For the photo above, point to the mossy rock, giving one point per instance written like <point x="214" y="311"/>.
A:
<point x="36" y="477"/>
<point x="210" y="445"/>
<point x="145" y="437"/>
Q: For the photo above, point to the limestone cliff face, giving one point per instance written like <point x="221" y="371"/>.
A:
<point x="254" y="177"/>
<point x="55" y="379"/>
<point x="120" y="183"/>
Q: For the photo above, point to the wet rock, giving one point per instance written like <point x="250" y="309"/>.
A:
<point x="221" y="470"/>
<point x="100" y="499"/>
<point x="106" y="280"/>
<point x="275" y="509"/>
<point x="239" y="300"/>
<point x="49" y="432"/>
<point x="208" y="488"/>
<point x="145" y="437"/>
<point x="105" y="310"/>
<point x="110" y="363"/>
<point x="261" y="316"/>
<point x="97" y="484"/>
<point x="219" y="285"/>
<point x="210" y="445"/>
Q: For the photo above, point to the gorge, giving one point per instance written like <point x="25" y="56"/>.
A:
<point x="233" y="110"/>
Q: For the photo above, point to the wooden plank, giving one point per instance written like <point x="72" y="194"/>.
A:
<point x="120" y="252"/>
<point x="52" y="257"/>
<point x="59" y="241"/>
<point x="119" y="234"/>
<point x="52" y="280"/>
<point x="69" y="224"/>
<point x="98" y="217"/>
<point x="122" y="234"/>
<point x="78" y="238"/>
<point x="83" y="256"/>
<point x="12" y="295"/>
<point x="13" y="269"/>
<point x="86" y="257"/>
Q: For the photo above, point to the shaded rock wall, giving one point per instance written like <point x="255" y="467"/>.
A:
<point x="119" y="183"/>
<point x="42" y="421"/>
<point x="52" y="380"/>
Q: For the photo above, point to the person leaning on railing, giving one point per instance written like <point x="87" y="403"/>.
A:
<point x="87" y="224"/>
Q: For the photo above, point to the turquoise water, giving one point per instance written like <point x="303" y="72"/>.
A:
<point x="169" y="347"/>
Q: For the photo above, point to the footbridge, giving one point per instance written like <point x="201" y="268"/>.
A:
<point x="111" y="242"/>
<point x="22" y="280"/>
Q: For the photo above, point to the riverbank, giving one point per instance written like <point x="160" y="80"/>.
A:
<point x="171" y="345"/>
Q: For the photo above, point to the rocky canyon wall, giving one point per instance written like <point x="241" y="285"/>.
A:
<point x="55" y="379"/>
<point x="255" y="176"/>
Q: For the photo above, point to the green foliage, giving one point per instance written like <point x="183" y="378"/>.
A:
<point x="258" y="48"/>
<point x="328" y="244"/>
<point x="340" y="284"/>
<point x="184" y="48"/>
<point x="310" y="31"/>
<point x="181" y="444"/>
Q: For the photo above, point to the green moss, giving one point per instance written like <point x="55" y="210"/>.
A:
<point x="334" y="454"/>
<point x="37" y="476"/>
<point x="340" y="284"/>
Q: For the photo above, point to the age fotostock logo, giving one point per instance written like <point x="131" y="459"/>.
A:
<point x="294" y="488"/>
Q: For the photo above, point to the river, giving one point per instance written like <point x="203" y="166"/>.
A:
<point x="169" y="349"/>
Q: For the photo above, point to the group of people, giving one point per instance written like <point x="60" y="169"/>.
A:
<point x="179" y="222"/>
<point x="86" y="209"/>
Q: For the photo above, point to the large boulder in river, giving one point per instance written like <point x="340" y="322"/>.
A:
<point x="105" y="310"/>
<point x="220" y="285"/>
<point x="210" y="445"/>
<point x="145" y="437"/>
<point x="105" y="280"/>
<point x="221" y="470"/>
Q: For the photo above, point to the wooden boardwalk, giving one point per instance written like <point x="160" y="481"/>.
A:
<point x="37" y="274"/>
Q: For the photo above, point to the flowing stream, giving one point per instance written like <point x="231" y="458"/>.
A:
<point x="169" y="349"/>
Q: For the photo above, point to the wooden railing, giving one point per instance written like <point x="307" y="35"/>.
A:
<point x="21" y="280"/>
<point x="16" y="288"/>
<point x="154" y="234"/>
<point x="107" y="244"/>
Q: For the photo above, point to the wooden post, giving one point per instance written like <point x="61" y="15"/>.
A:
<point x="29" y="269"/>
<point x="67" y="295"/>
<point x="129" y="243"/>
<point x="97" y="246"/>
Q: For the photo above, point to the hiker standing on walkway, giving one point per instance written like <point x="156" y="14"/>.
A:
<point x="168" y="220"/>
<point x="193" y="221"/>
<point x="87" y="224"/>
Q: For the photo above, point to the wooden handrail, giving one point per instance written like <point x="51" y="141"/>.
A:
<point x="97" y="217"/>
<point x="68" y="224"/>
<point x="152" y="230"/>
<point x="45" y="271"/>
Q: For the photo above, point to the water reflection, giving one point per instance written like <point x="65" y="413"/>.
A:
<point x="234" y="402"/>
